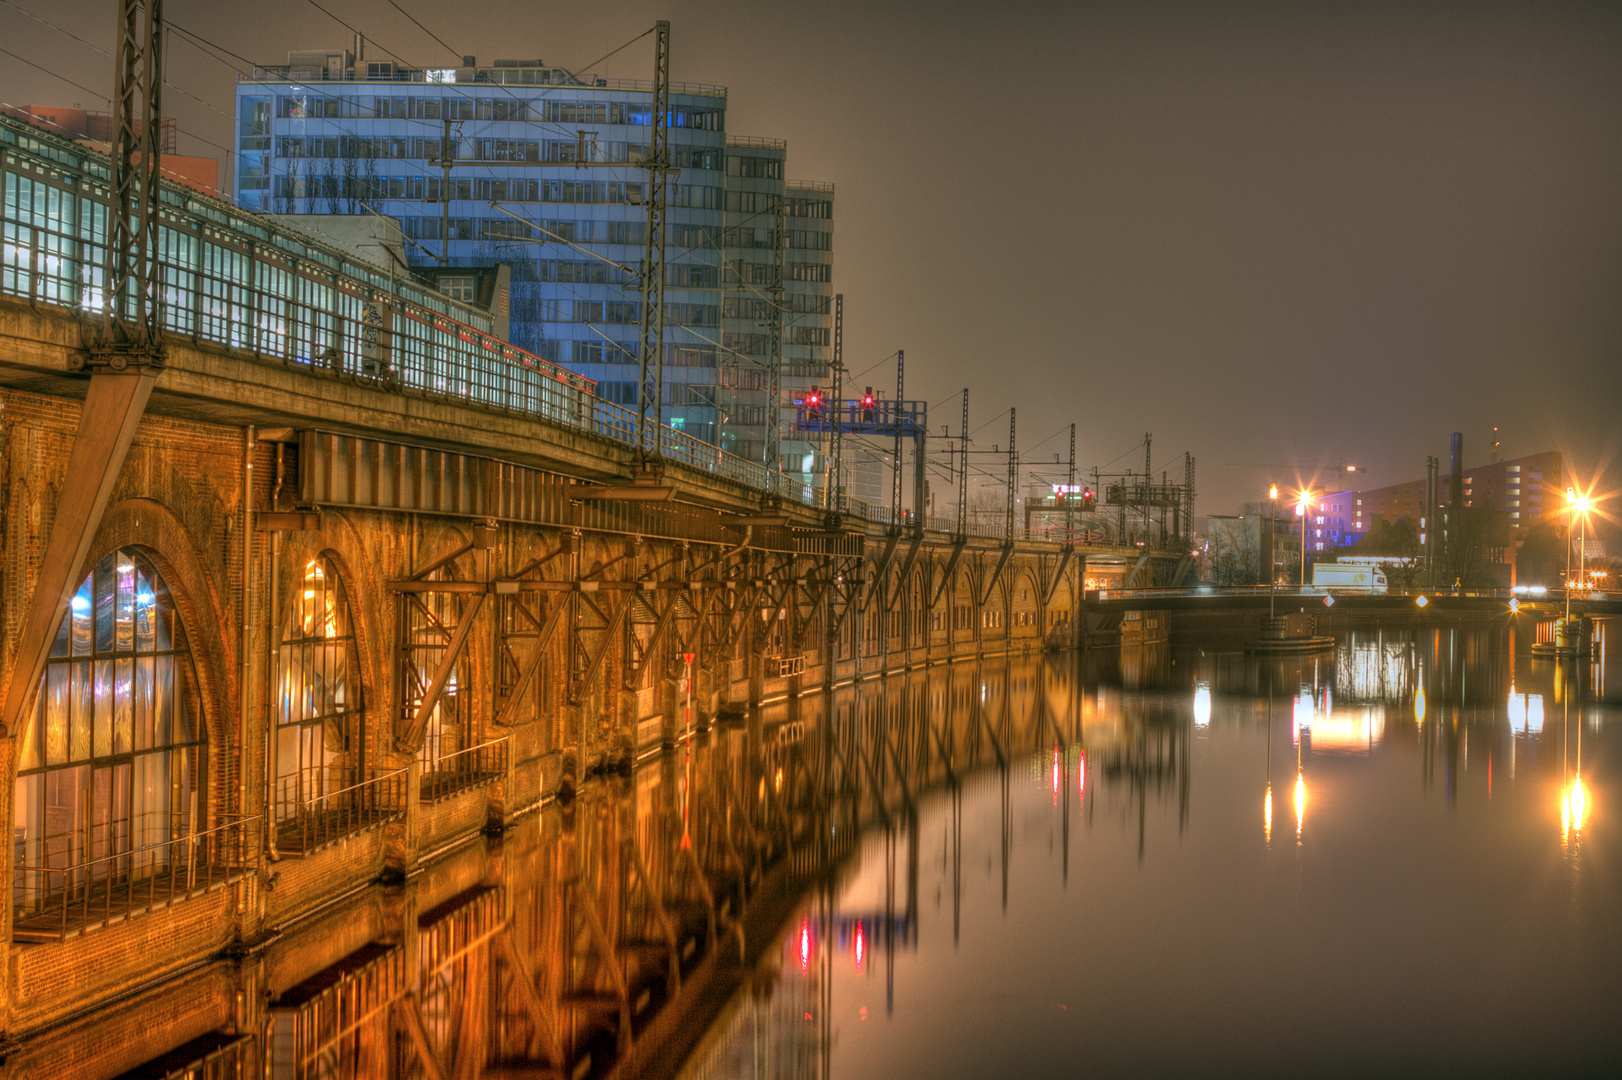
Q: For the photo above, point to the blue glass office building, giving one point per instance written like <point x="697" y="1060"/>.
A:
<point x="542" y="170"/>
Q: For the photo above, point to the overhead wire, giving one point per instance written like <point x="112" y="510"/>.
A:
<point x="709" y="233"/>
<point x="204" y="45"/>
<point x="97" y="48"/>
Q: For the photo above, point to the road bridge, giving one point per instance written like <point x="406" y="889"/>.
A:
<point x="1210" y="616"/>
<point x="368" y="580"/>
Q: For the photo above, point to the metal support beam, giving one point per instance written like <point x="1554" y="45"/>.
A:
<point x="527" y="676"/>
<point x="412" y="736"/>
<point x="612" y="624"/>
<point x="946" y="575"/>
<point x="906" y="568"/>
<point x="963" y="475"/>
<point x="124" y="355"/>
<point x="836" y="466"/>
<point x="895" y="471"/>
<point x="996" y="575"/>
<point x="639" y="667"/>
<point x="1070" y="493"/>
<point x="1013" y="477"/>
<point x="132" y="331"/>
<point x="1058" y="577"/>
<point x="112" y="411"/>
<point x="651" y="344"/>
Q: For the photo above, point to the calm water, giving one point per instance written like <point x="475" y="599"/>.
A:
<point x="1431" y="890"/>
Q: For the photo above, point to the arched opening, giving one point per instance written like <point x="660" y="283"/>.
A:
<point x="112" y="761"/>
<point x="320" y="713"/>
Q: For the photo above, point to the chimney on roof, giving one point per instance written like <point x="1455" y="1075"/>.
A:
<point x="360" y="47"/>
<point x="1455" y="492"/>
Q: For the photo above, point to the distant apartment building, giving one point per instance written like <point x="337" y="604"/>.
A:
<point x="531" y="165"/>
<point x="756" y="183"/>
<point x="1526" y="488"/>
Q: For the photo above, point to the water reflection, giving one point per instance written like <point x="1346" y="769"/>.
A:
<point x="1140" y="773"/>
<point x="1028" y="868"/>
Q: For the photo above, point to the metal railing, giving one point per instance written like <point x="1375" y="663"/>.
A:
<point x="233" y="279"/>
<point x="444" y="776"/>
<point x="757" y="142"/>
<point x="1319" y="592"/>
<point x="555" y="78"/>
<point x="50" y="901"/>
<point x="305" y="823"/>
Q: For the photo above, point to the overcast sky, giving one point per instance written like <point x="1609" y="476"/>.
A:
<point x="1277" y="236"/>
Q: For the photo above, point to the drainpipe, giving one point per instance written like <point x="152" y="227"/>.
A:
<point x="247" y="619"/>
<point x="274" y="639"/>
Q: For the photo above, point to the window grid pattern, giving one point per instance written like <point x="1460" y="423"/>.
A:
<point x="319" y="704"/>
<point x="110" y="760"/>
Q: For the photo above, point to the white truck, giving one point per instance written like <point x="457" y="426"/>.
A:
<point x="1348" y="577"/>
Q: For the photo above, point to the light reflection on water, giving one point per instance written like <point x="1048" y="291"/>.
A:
<point x="1440" y="893"/>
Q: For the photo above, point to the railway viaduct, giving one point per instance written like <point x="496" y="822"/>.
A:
<point x="357" y="595"/>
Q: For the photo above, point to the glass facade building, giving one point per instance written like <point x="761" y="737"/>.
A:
<point x="539" y="168"/>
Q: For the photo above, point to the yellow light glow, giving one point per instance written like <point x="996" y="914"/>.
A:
<point x="1579" y="803"/>
<point x="1419" y="706"/>
<point x="1300" y="805"/>
<point x="1272" y="491"/>
<point x="1267" y="815"/>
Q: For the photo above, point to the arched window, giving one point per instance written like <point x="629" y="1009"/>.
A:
<point x="111" y="760"/>
<point x="319" y="705"/>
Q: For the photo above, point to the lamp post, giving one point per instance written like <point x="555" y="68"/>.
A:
<point x="1272" y="560"/>
<point x="1306" y="497"/>
<point x="1579" y="507"/>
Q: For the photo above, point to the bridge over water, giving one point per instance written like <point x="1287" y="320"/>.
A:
<point x="369" y="581"/>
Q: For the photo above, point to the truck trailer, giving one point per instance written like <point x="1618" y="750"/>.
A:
<point x="1348" y="578"/>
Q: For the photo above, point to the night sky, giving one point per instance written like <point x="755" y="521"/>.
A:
<point x="1293" y="233"/>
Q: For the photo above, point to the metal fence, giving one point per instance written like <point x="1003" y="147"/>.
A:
<point x="309" y="817"/>
<point x="444" y="775"/>
<point x="50" y="901"/>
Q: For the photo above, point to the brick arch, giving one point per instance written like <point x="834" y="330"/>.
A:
<point x="1026" y="611"/>
<point x="344" y="548"/>
<point x="918" y="608"/>
<point x="150" y="527"/>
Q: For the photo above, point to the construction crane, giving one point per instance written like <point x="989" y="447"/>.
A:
<point x="1337" y="466"/>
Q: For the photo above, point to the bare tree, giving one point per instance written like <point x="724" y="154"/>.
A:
<point x="329" y="185"/>
<point x="282" y="197"/>
<point x="1399" y="542"/>
<point x="350" y="165"/>
<point x="1233" y="555"/>
<point x="1472" y="549"/>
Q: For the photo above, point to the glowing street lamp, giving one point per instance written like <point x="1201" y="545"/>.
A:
<point x="1272" y="547"/>
<point x="1578" y="504"/>
<point x="1306" y="499"/>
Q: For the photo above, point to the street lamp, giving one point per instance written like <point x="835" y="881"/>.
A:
<point x="1272" y="554"/>
<point x="1306" y="498"/>
<point x="1579" y="508"/>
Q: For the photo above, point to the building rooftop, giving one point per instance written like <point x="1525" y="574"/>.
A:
<point x="338" y="65"/>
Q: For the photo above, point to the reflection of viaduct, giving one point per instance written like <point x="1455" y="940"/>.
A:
<point x="356" y="582"/>
<point x="596" y="937"/>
